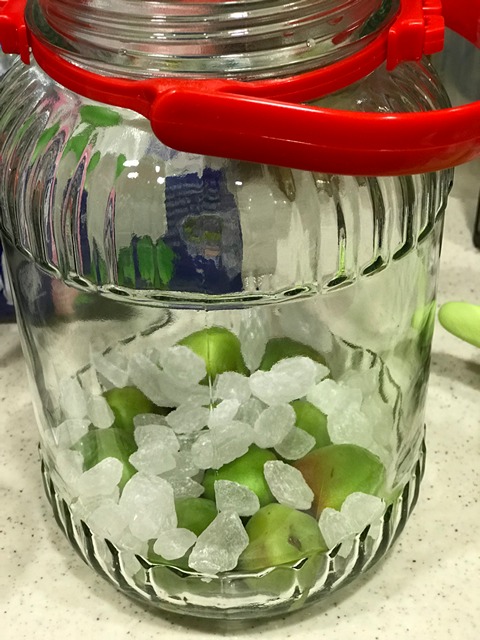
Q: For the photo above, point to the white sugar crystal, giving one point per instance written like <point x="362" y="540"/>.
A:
<point x="296" y="444"/>
<point x="348" y="425"/>
<point x="183" y="365"/>
<point x="174" y="543"/>
<point x="148" y="503"/>
<point x="357" y="512"/>
<point x="176" y="394"/>
<point x="89" y="380"/>
<point x="148" y="378"/>
<point x="220" y="545"/>
<point x="99" y="412"/>
<point x="380" y="416"/>
<point x="153" y="458"/>
<point x="287" y="380"/>
<point x="69" y="467"/>
<point x="149" y="434"/>
<point x="253" y="336"/>
<point x="131" y="565"/>
<point x="148" y="419"/>
<point x="84" y="506"/>
<point x="185" y="464"/>
<point x="250" y="410"/>
<point x="288" y="485"/>
<point x="231" y="496"/>
<point x="100" y="479"/>
<point x="114" y="368"/>
<point x="128" y="542"/>
<point x="329" y="396"/>
<point x="203" y="451"/>
<point x="360" y="509"/>
<point x="334" y="527"/>
<point x="230" y="441"/>
<point x="225" y="411"/>
<point x="72" y="399"/>
<point x="107" y="521"/>
<point x="366" y="381"/>
<point x="70" y="431"/>
<point x="222" y="444"/>
<point x="188" y="418"/>
<point x="232" y="386"/>
<point x="273" y="425"/>
<point x="184" y="487"/>
<point x="322" y="372"/>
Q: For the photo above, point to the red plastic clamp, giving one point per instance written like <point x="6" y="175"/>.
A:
<point x="418" y="30"/>
<point x="13" y="30"/>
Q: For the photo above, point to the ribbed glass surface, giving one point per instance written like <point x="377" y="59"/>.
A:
<point x="224" y="309"/>
<point x="251" y="38"/>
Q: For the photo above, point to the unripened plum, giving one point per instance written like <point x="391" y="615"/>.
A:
<point x="195" y="514"/>
<point x="278" y="535"/>
<point x="128" y="402"/>
<point x="336" y="471"/>
<point x="220" y="349"/>
<point x="246" y="470"/>
<point x="313" y="421"/>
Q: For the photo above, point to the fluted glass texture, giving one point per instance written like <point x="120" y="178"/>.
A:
<point x="193" y="325"/>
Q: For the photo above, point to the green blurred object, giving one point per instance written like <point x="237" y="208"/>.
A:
<point x="462" y="319"/>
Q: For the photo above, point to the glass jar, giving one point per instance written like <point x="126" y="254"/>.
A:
<point x="7" y="313"/>
<point x="229" y="360"/>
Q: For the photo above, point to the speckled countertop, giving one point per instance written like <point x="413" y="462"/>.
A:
<point x="427" y="587"/>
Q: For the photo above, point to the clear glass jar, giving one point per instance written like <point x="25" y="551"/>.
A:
<point x="229" y="360"/>
<point x="7" y="313"/>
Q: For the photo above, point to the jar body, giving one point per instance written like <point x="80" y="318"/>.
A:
<point x="7" y="313"/>
<point x="226" y="356"/>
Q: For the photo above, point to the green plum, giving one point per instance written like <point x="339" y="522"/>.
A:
<point x="98" y="444"/>
<point x="278" y="535"/>
<point x="336" y="471"/>
<point x="246" y="470"/>
<point x="195" y="514"/>
<point x="312" y="420"/>
<point x="126" y="403"/>
<point x="279" y="348"/>
<point x="220" y="349"/>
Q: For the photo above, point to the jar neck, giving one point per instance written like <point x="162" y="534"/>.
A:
<point x="242" y="39"/>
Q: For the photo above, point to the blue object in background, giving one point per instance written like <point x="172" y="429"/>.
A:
<point x="204" y="233"/>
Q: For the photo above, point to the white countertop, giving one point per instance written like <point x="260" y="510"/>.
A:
<point x="427" y="587"/>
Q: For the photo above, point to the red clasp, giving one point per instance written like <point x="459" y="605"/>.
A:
<point x="418" y="30"/>
<point x="13" y="30"/>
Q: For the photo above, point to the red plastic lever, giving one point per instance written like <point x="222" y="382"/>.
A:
<point x="262" y="121"/>
<point x="13" y="30"/>
<point x="418" y="30"/>
<point x="314" y="139"/>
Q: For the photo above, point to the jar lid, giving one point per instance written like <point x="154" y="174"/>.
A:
<point x="264" y="121"/>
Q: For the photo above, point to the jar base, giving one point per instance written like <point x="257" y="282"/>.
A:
<point x="237" y="595"/>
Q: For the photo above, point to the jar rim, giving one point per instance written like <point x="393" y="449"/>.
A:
<point x="233" y="38"/>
